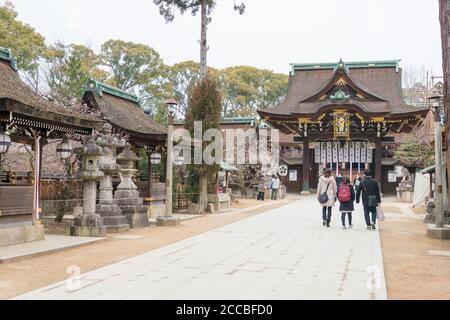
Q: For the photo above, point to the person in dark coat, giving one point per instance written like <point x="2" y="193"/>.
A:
<point x="369" y="188"/>
<point x="346" y="208"/>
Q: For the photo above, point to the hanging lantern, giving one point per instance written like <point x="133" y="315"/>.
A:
<point x="155" y="158"/>
<point x="5" y="142"/>
<point x="64" y="150"/>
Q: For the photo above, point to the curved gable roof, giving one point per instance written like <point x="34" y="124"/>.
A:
<point x="27" y="103"/>
<point x="381" y="80"/>
<point x="122" y="109"/>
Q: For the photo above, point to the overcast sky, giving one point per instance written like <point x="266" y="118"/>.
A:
<point x="271" y="34"/>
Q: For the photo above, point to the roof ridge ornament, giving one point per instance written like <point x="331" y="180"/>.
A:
<point x="340" y="95"/>
<point x="341" y="66"/>
<point x="6" y="54"/>
<point x="98" y="88"/>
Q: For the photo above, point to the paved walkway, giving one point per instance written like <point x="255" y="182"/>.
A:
<point x="282" y="254"/>
<point x="48" y="245"/>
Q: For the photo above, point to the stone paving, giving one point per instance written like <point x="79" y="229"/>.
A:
<point x="284" y="253"/>
<point x="50" y="244"/>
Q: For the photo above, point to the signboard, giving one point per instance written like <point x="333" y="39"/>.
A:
<point x="352" y="151"/>
<point x="346" y="152"/>
<point x="391" y="176"/>
<point x="357" y="151"/>
<point x="317" y="152"/>
<point x="340" y="152"/>
<point x="329" y="152"/>
<point x="335" y="152"/>
<point x="292" y="175"/>
<point x="323" y="152"/>
<point x="369" y="154"/>
<point x="363" y="152"/>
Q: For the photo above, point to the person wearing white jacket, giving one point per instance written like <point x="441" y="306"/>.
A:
<point x="327" y="185"/>
<point x="275" y="185"/>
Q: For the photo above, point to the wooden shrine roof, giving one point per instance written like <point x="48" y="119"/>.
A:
<point x="378" y="84"/>
<point x="29" y="107"/>
<point x="122" y="110"/>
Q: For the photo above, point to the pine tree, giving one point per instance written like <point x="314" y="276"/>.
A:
<point x="204" y="106"/>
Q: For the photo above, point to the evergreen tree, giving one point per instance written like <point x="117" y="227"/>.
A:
<point x="204" y="106"/>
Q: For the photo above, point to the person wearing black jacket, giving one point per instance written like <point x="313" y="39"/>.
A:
<point x="371" y="198"/>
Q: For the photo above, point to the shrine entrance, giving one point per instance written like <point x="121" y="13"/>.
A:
<point x="341" y="113"/>
<point x="343" y="158"/>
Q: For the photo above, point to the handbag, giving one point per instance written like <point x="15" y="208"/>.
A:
<point x="323" y="198"/>
<point x="372" y="200"/>
<point x="380" y="214"/>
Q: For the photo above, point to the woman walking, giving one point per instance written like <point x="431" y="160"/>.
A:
<point x="326" y="193"/>
<point x="346" y="197"/>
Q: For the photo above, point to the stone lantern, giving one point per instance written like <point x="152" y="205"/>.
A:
<point x="90" y="224"/>
<point x="107" y="207"/>
<point x="127" y="194"/>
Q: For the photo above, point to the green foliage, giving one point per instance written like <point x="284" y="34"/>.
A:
<point x="204" y="106"/>
<point x="180" y="79"/>
<point x="27" y="45"/>
<point x="69" y="68"/>
<point x="247" y="89"/>
<point x="167" y="7"/>
<point x="131" y="64"/>
<point x="415" y="153"/>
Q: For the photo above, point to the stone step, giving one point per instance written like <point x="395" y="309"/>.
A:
<point x="113" y="221"/>
<point x="117" y="228"/>
<point x="134" y="209"/>
<point x="138" y="220"/>
<point x="107" y="213"/>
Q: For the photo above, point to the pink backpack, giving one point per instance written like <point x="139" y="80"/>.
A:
<point x="344" y="193"/>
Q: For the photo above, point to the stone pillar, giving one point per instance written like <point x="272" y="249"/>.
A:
<point x="306" y="166"/>
<point x="89" y="197"/>
<point x="168" y="219"/>
<point x="106" y="189"/>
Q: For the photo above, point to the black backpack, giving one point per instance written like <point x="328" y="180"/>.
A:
<point x="372" y="200"/>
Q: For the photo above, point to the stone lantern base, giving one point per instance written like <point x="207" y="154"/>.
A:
<point x="167" y="222"/>
<point x="88" y="225"/>
<point x="438" y="233"/>
<point x="133" y="208"/>
<point x="113" y="218"/>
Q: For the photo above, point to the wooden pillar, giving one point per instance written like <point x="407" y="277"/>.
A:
<point x="306" y="165"/>
<point x="378" y="160"/>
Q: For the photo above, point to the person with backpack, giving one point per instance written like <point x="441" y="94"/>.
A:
<point x="326" y="194"/>
<point x="371" y="198"/>
<point x="346" y="197"/>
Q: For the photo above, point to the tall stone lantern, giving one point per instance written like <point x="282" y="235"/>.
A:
<point x="127" y="194"/>
<point x="111" y="213"/>
<point x="90" y="224"/>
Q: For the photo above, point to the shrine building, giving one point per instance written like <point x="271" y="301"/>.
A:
<point x="342" y="114"/>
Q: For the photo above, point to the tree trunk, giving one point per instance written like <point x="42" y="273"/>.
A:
<point x="203" y="175"/>
<point x="203" y="198"/>
<point x="203" y="42"/>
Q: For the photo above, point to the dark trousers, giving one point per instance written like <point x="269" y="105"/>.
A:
<point x="349" y="218"/>
<point x="367" y="212"/>
<point x="261" y="195"/>
<point x="326" y="216"/>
